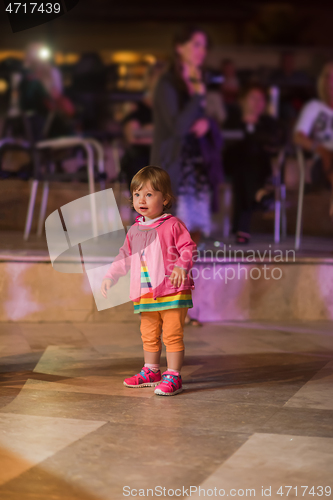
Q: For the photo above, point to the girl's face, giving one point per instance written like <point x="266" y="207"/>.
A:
<point x="254" y="103"/>
<point x="194" y="51"/>
<point x="148" y="202"/>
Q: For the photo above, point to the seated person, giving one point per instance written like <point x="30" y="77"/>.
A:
<point x="247" y="161"/>
<point x="314" y="133"/>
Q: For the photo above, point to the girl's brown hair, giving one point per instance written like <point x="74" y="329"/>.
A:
<point x="159" y="180"/>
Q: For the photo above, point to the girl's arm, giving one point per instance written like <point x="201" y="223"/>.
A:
<point x="185" y="246"/>
<point x="178" y="121"/>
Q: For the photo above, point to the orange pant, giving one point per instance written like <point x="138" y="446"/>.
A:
<point x="172" y="321"/>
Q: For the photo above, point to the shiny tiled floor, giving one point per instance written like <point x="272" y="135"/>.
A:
<point x="256" y="413"/>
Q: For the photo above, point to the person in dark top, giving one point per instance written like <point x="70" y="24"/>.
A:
<point x="247" y="161"/>
<point x="182" y="129"/>
<point x="88" y="90"/>
<point x="138" y="129"/>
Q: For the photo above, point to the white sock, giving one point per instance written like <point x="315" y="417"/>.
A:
<point x="176" y="372"/>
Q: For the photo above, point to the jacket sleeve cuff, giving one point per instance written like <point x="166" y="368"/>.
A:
<point x="183" y="263"/>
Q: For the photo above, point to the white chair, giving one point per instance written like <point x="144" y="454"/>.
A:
<point x="280" y="216"/>
<point x="90" y="146"/>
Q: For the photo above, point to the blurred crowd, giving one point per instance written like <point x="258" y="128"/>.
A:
<point x="204" y="126"/>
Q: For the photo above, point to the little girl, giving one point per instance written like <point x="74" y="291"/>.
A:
<point x="158" y="249"/>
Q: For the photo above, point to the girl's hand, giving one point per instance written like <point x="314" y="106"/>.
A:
<point x="106" y="284"/>
<point x="178" y="276"/>
<point x="200" y="127"/>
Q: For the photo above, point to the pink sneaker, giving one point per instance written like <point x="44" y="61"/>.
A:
<point x="171" y="384"/>
<point x="146" y="378"/>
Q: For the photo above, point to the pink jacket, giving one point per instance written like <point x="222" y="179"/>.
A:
<point x="166" y="244"/>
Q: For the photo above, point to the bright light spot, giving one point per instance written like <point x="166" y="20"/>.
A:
<point x="217" y="244"/>
<point x="44" y="53"/>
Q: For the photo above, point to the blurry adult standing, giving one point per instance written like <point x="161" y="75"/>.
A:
<point x="180" y="129"/>
<point x="88" y="92"/>
<point x="41" y="92"/>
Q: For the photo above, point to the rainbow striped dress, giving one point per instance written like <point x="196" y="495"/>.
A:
<point x="147" y="302"/>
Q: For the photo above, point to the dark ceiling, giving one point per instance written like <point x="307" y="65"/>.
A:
<point x="170" y="10"/>
<point x="176" y="11"/>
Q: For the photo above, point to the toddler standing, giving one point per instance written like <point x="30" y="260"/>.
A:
<point x="158" y="250"/>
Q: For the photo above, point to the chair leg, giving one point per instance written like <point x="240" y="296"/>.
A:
<point x="300" y="199"/>
<point x="31" y="207"/>
<point x="90" y="168"/>
<point x="283" y="211"/>
<point x="100" y="160"/>
<point x="277" y="221"/>
<point x="42" y="210"/>
<point x="226" y="209"/>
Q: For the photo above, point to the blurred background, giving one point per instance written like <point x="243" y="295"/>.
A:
<point x="102" y="61"/>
